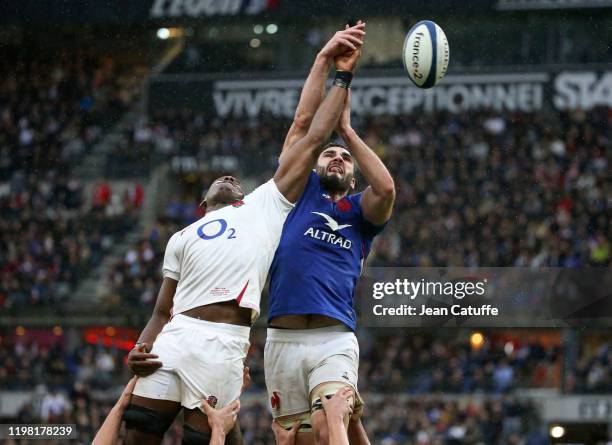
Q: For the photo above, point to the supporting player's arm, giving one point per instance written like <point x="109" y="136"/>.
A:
<point x="336" y="408"/>
<point x="299" y="159"/>
<point x="313" y="92"/>
<point x="222" y="421"/>
<point x="139" y="358"/>
<point x="378" y="198"/>
<point x="109" y="431"/>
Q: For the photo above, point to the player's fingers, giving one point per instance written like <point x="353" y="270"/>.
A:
<point x="354" y="39"/>
<point x="147" y="365"/>
<point x="276" y="427"/>
<point x="143" y="356"/>
<point x="206" y="407"/>
<point x="130" y="386"/>
<point x="345" y="392"/>
<point x="354" y="32"/>
<point x="325" y="401"/>
<point x="235" y="406"/>
<point x="295" y="427"/>
<point x="347" y="43"/>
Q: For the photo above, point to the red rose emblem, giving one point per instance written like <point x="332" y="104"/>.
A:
<point x="344" y="205"/>
<point x="212" y="401"/>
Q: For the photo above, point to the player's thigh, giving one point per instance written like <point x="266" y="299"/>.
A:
<point x="305" y="438"/>
<point x="212" y="367"/>
<point x="148" y="419"/>
<point x="303" y="418"/>
<point x="196" y="419"/>
<point x="320" y="433"/>
<point x="327" y="390"/>
<point x="285" y="366"/>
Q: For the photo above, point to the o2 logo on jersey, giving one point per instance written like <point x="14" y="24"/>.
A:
<point x="214" y="229"/>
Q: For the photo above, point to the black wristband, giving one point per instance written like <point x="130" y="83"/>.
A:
<point x="343" y="79"/>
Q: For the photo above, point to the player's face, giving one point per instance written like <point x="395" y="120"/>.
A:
<point x="336" y="169"/>
<point x="224" y="190"/>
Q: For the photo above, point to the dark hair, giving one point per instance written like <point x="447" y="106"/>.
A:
<point x="335" y="144"/>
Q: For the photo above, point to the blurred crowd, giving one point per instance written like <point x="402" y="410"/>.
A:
<point x="473" y="189"/>
<point x="52" y="227"/>
<point x="53" y="105"/>
<point x="73" y="381"/>
<point x="408" y="362"/>
<point x="408" y="379"/>
<point x="593" y="371"/>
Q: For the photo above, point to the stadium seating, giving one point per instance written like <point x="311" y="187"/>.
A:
<point x="53" y="108"/>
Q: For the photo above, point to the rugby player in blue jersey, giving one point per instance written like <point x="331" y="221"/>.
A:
<point x="311" y="349"/>
<point x="214" y="271"/>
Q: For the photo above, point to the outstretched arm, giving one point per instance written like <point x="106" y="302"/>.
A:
<point x="336" y="409"/>
<point x="313" y="92"/>
<point x="292" y="173"/>
<point x="109" y="431"/>
<point x="378" y="198"/>
<point x="299" y="159"/>
<point x="222" y="421"/>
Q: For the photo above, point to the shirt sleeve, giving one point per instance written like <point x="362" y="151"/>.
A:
<point x="272" y="209"/>
<point x="269" y="199"/>
<point x="370" y="229"/>
<point x="172" y="258"/>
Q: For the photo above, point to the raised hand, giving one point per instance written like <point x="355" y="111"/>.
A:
<point x="224" y="419"/>
<point x="139" y="363"/>
<point x="339" y="405"/>
<point x="349" y="39"/>
<point x="347" y="61"/>
<point x="283" y="436"/>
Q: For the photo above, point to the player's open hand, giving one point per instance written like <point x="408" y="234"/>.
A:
<point x="283" y="436"/>
<point x="349" y="39"/>
<point x="339" y="405"/>
<point x="222" y="419"/>
<point x="139" y="361"/>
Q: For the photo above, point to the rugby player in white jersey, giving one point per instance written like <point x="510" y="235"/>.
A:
<point x="214" y="271"/>
<point x="311" y="350"/>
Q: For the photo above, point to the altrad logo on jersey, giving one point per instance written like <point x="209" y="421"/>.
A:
<point x="329" y="237"/>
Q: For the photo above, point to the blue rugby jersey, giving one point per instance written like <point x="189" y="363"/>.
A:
<point x="320" y="256"/>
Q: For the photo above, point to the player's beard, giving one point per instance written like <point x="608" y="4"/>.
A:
<point x="333" y="183"/>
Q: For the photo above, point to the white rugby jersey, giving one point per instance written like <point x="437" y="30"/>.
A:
<point x="226" y="254"/>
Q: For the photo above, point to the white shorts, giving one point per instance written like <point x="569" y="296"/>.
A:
<point x="297" y="361"/>
<point x="201" y="360"/>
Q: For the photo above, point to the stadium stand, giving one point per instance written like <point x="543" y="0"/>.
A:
<point x="475" y="188"/>
<point x="54" y="107"/>
<point x="75" y="382"/>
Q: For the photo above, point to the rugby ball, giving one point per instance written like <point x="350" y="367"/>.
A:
<point x="426" y="54"/>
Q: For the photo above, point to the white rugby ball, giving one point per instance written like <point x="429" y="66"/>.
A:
<point x="426" y="54"/>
